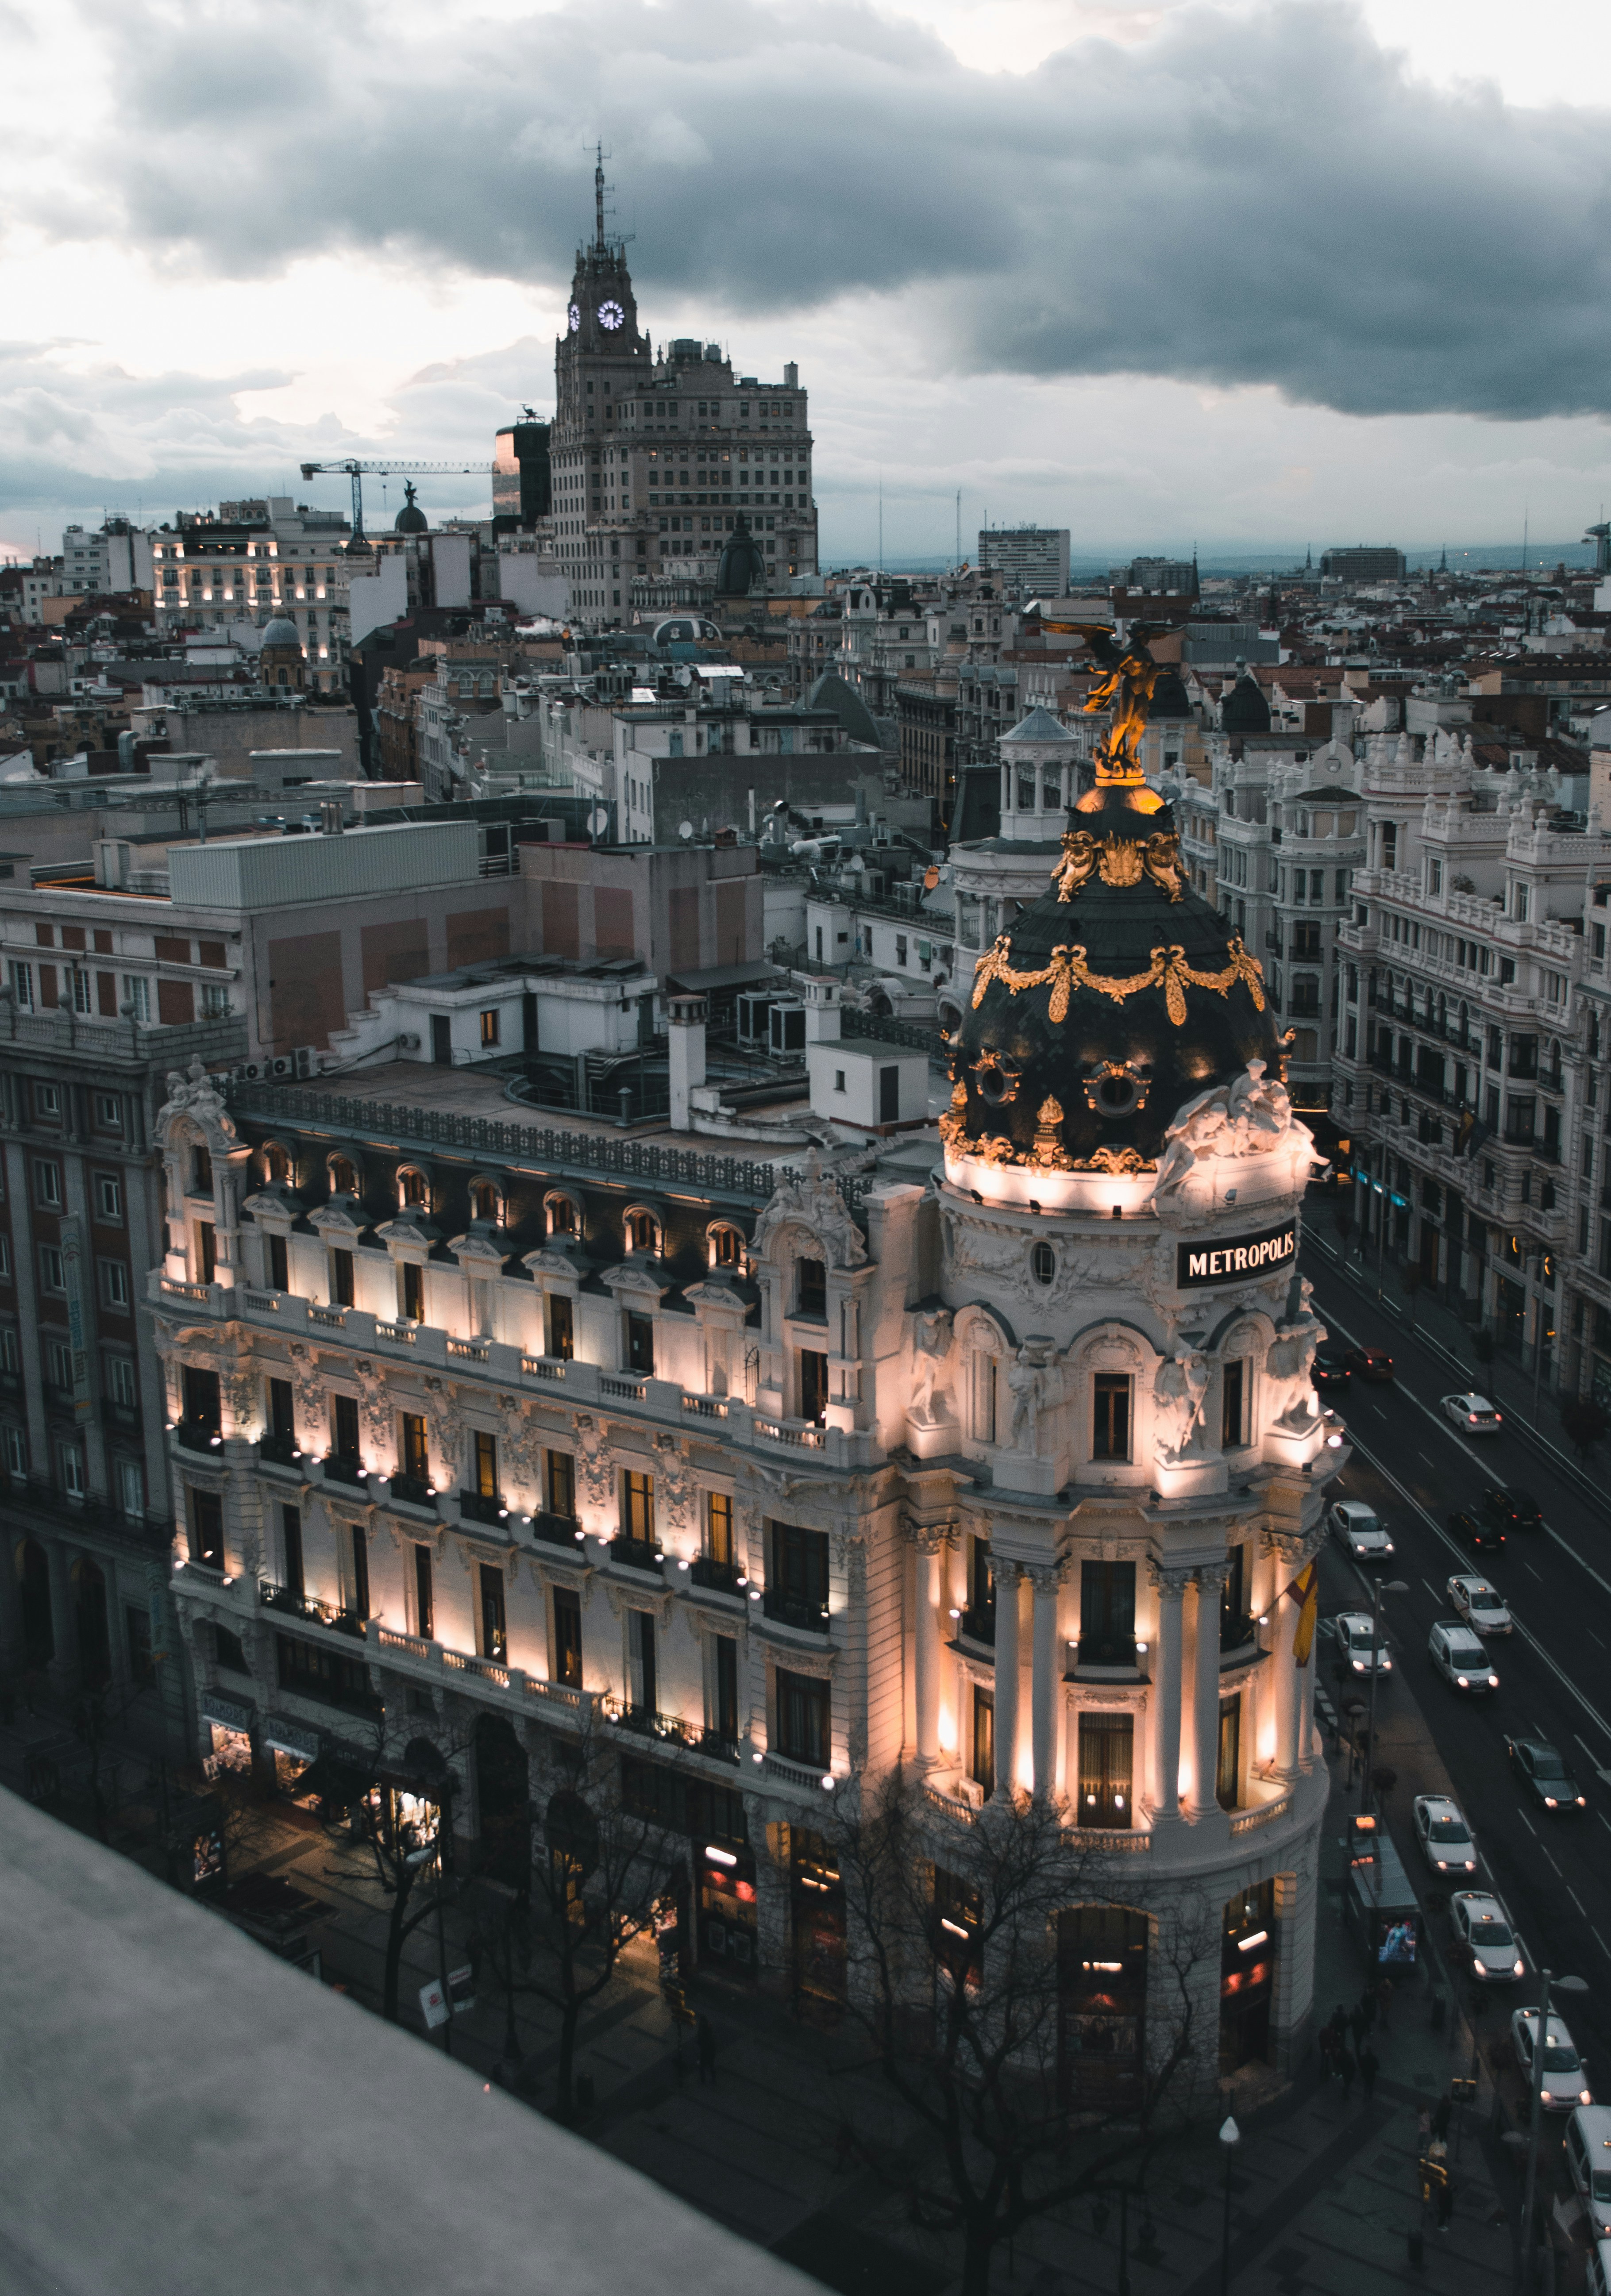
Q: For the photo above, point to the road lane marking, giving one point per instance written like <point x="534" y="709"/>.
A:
<point x="1432" y="1590"/>
<point x="1531" y="1641"/>
<point x="1444" y="1429"/>
<point x="1600" y="1942"/>
<point x="1527" y="1822"/>
<point x="1577" y="1901"/>
<point x="1601" y="1772"/>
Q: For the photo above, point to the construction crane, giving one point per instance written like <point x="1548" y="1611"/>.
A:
<point x="358" y="471"/>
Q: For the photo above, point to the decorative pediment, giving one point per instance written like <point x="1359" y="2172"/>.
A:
<point x="341" y="1509"/>
<point x="406" y="1229"/>
<point x="636" y="1279"/>
<point x="481" y="1246"/>
<point x="404" y="1534"/>
<point x="556" y="1568"/>
<point x="502" y="1553"/>
<point x="552" y="1264"/>
<point x="340" y="1216"/>
<point x="274" y="1206"/>
<point x="818" y="1663"/>
<point x="712" y="1292"/>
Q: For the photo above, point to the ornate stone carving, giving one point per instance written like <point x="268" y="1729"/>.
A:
<point x="930" y="1347"/>
<point x="1168" y="1577"/>
<point x="522" y="1442"/>
<point x="592" y="1457"/>
<point x="1027" y="1382"/>
<point x="1289" y="1394"/>
<point x="1179" y="1385"/>
<point x="374" y="1405"/>
<point x="1248" y="1117"/>
<point x="312" y="1401"/>
<point x="1211" y="1578"/>
<point x="195" y="1093"/>
<point x="674" y="1483"/>
<point x="812" y="1200"/>
<point x="1045" y="1578"/>
<point x="447" y="1426"/>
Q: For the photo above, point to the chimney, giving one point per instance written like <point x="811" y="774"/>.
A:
<point x="686" y="1046"/>
<point x="111" y="862"/>
<point x="332" y="819"/>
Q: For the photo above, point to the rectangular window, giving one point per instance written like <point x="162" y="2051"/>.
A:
<point x="719" y="1527"/>
<point x="486" y="1464"/>
<point x="1107" y="1613"/>
<point x="1233" y="1413"/>
<point x="204" y="1517"/>
<point x="207" y="1252"/>
<point x="340" y="1278"/>
<point x="16" y="1451"/>
<point x="282" y="1412"/>
<point x="109" y="1199"/>
<point x="724" y="1686"/>
<point x="412" y="1278"/>
<point x="1228" y="1773"/>
<point x="114" y="1283"/>
<point x="805" y="1726"/>
<point x="413" y="1448"/>
<point x="490" y="1028"/>
<point x="1107" y="1754"/>
<point x="567" y="1636"/>
<point x="58" y="1364"/>
<point x="562" y="1328"/>
<point x="121" y="1382"/>
<point x="69" y="1467"/>
<point x="344" y="1428"/>
<point x="360" y="1550"/>
<point x="279" y="1265"/>
<point x="982" y="1766"/>
<point x="560" y="1474"/>
<point x="637" y="1506"/>
<point x="424" y="1608"/>
<point x="799" y="1570"/>
<point x="642" y="1686"/>
<point x="1235" y="1626"/>
<point x="131" y="1488"/>
<point x="640" y="1343"/>
<point x="812" y="1287"/>
<point x="52" y="1275"/>
<point x="291" y="1540"/>
<point x="1110" y="1415"/>
<point x="47" y="1184"/>
<point x="22" y="987"/>
<point x="813" y="1385"/>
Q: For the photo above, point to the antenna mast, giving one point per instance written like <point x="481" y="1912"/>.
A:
<point x="598" y="198"/>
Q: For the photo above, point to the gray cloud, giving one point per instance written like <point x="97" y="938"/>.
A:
<point x="1257" y="197"/>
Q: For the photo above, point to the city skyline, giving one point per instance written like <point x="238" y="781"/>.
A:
<point x="188" y="331"/>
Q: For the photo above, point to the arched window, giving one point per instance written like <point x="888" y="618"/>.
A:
<point x="726" y="1246"/>
<point x="561" y="1215"/>
<point x="1043" y="1263"/>
<point x="413" y="1188"/>
<point x="483" y="1202"/>
<point x="643" y="1230"/>
<point x="344" y="1177"/>
<point x="275" y="1163"/>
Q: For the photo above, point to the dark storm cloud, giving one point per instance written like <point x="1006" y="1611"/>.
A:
<point x="1262" y="198"/>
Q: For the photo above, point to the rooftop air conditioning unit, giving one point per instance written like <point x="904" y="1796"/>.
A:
<point x="306" y="1059"/>
<point x="282" y="1065"/>
<point x="247" y="1073"/>
<point x="408" y="1044"/>
<point x="786" y="1025"/>
<point x="752" y="1012"/>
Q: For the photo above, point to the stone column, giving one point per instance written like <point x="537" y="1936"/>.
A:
<point x="1007" y="1676"/>
<point x="1045" y="1579"/>
<point x="1166" y="1692"/>
<point x="1291" y="1681"/>
<point x="926" y="1649"/>
<point x="1210" y="1579"/>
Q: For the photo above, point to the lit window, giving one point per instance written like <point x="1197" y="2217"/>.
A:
<point x="642" y="1232"/>
<point x="490" y="1027"/>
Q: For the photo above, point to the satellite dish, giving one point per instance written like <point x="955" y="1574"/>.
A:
<point x="599" y="821"/>
<point x="685" y="829"/>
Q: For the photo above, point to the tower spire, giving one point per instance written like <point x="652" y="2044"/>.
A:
<point x="598" y="199"/>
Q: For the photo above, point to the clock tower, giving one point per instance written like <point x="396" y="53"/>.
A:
<point x="601" y="353"/>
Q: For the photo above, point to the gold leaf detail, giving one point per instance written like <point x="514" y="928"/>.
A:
<point x="1051" y="1112"/>
<point x="1121" y="863"/>
<point x="1068" y="971"/>
<point x="1079" y="861"/>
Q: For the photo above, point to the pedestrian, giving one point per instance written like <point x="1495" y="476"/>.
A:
<point x="1423" y="2133"/>
<point x="1345" y="2067"/>
<point x="1384" y="1996"/>
<point x="1440" y="2118"/>
<point x="704" y="2043"/>
<point x="1371" y="2065"/>
<point x="1445" y="2205"/>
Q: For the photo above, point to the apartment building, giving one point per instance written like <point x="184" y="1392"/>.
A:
<point x="256" y="561"/>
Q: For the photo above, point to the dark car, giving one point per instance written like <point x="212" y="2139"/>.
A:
<point x="1476" y="1532"/>
<point x="1543" y="1774"/>
<point x="1511" y="1510"/>
<point x="1369" y="1363"/>
<point x="1330" y="1368"/>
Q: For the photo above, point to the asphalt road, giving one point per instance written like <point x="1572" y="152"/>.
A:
<point x="1413" y="1466"/>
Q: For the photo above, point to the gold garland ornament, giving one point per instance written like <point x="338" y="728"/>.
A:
<point x="1069" y="970"/>
<point x="1119" y="861"/>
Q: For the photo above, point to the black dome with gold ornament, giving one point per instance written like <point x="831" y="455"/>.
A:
<point x="1113" y="1000"/>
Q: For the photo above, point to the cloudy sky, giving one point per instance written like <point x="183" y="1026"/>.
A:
<point x="1254" y="274"/>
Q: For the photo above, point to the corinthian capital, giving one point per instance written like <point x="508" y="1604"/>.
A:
<point x="1169" y="1580"/>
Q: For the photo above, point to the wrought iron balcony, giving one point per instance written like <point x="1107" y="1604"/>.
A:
<point x="280" y="1450"/>
<point x="636" y="1553"/>
<point x="721" y="1578"/>
<point x="477" y="1507"/>
<point x="978" y="1624"/>
<point x="556" y="1530"/>
<point x="342" y="1467"/>
<point x="307" y="1607"/>
<point x="412" y="1490"/>
<point x="199" y="1435"/>
<point x="789" y="1610"/>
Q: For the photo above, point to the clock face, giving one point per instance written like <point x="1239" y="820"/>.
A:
<point x="573" y="318"/>
<point x="611" y="315"/>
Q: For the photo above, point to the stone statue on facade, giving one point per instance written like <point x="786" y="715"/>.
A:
<point x="931" y="1346"/>
<point x="1247" y="1117"/>
<point x="811" y="1198"/>
<point x="1180" y="1386"/>
<point x="1026" y="1384"/>
<point x="1290" y="1391"/>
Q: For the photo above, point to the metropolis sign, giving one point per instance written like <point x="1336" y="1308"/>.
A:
<point x="1240" y="1260"/>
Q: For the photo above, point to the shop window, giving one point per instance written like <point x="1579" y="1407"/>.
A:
<point x="1102" y="1999"/>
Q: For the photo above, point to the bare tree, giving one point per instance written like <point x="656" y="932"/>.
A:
<point x="953" y="1971"/>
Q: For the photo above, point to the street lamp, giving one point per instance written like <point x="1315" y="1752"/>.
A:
<point x="1561" y="1985"/>
<point x="1231" y="2136"/>
<point x="1393" y="1586"/>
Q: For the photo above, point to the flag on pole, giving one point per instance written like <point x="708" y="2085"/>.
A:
<point x="1305" y="1592"/>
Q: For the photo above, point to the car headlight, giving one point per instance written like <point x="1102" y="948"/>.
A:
<point x="1478" y="1967"/>
<point x="1518" y="1969"/>
<point x="1580" y="1801"/>
<point x="1386" y="1666"/>
<point x="1493" y="1682"/>
<point x="1471" y="1864"/>
<point x="1585" y="2096"/>
<point x="1463" y="1682"/>
<point x="1549" y="1802"/>
<point x="1359" y="1666"/>
<point x="1443" y="1865"/>
<point x="1388" y="1546"/>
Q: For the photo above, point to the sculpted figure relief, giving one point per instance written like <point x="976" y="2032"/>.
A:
<point x="812" y="1199"/>
<point x="1179" y="1385"/>
<point x="931" y="1346"/>
<point x="1244" y="1117"/>
<point x="1286" y="1365"/>
<point x="1026" y="1383"/>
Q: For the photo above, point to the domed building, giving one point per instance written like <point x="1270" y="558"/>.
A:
<point x="411" y="519"/>
<point x="743" y="565"/>
<point x="282" y="661"/>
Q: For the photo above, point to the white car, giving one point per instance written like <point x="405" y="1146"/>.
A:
<point x="1351" y="1632"/>
<point x="1361" y="1531"/>
<point x="1457" y="1651"/>
<point x="1443" y="1834"/>
<point x="1482" y="1927"/>
<point x="1473" y="1415"/>
<point x="1560" y="2078"/>
<point x="1589" y="2159"/>
<point x="1478" y="1604"/>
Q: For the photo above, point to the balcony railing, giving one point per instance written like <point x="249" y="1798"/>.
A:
<point x="412" y="1490"/>
<point x="789" y="1610"/>
<point x="636" y="1553"/>
<point x="978" y="1623"/>
<point x="556" y="1530"/>
<point x="309" y="1608"/>
<point x="342" y="1467"/>
<point x="721" y="1578"/>
<point x="199" y="1435"/>
<point x="476" y="1506"/>
<point x="280" y="1450"/>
